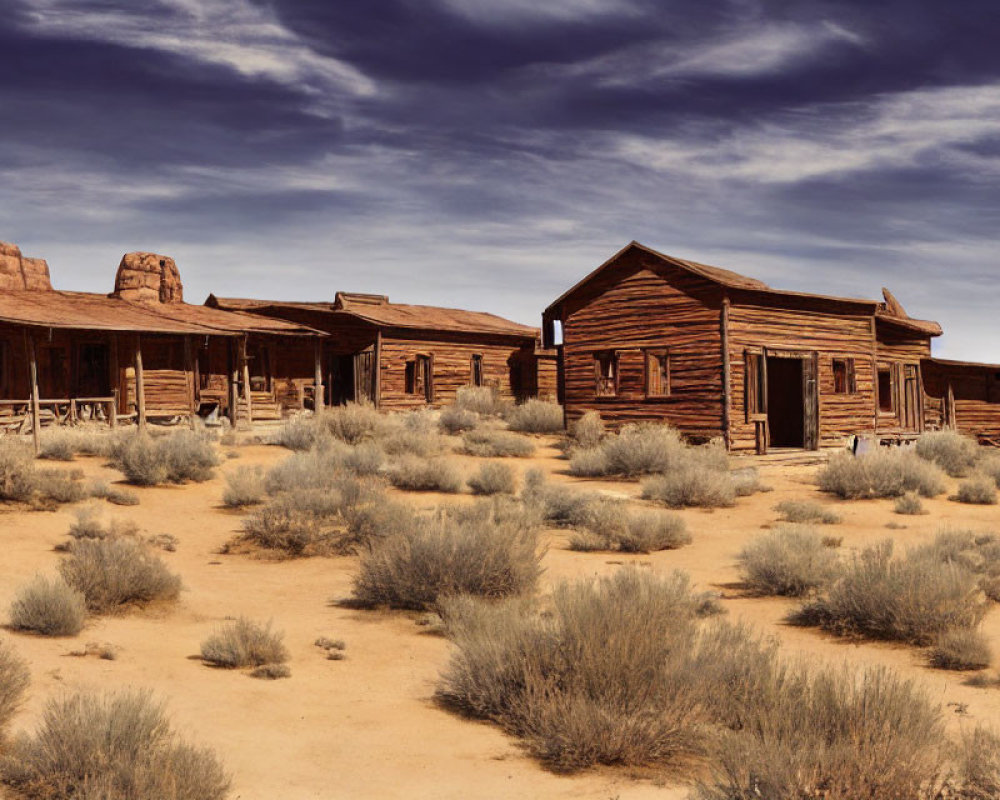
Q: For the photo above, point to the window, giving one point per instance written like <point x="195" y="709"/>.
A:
<point x="844" y="380"/>
<point x="885" y="399"/>
<point x="606" y="373"/>
<point x="420" y="377"/>
<point x="657" y="373"/>
<point x="477" y="370"/>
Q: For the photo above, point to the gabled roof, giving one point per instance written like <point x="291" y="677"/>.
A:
<point x="890" y="311"/>
<point x="92" y="311"/>
<point x="377" y="310"/>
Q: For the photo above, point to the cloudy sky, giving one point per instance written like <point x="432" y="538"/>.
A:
<point x="488" y="153"/>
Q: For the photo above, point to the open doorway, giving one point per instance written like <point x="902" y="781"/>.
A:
<point x="93" y="365"/>
<point x="785" y="402"/>
<point x="340" y="390"/>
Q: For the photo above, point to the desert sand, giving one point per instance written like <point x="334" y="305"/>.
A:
<point x="367" y="726"/>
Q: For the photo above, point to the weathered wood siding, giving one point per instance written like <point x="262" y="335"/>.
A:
<point x="452" y="365"/>
<point x="829" y="333"/>
<point x="638" y="307"/>
<point x="895" y="343"/>
<point x="976" y="392"/>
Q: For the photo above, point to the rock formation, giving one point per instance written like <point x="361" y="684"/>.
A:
<point x="148" y="278"/>
<point x="18" y="272"/>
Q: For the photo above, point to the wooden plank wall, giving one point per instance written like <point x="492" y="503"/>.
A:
<point x="452" y="354"/>
<point x="977" y="397"/>
<point x="635" y="307"/>
<point x="832" y="335"/>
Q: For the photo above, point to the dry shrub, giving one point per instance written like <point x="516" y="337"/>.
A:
<point x="113" y="494"/>
<point x="244" y="643"/>
<point x="404" y="440"/>
<point x="493" y="479"/>
<point x="244" y="487"/>
<point x="299" y="433"/>
<point x="961" y="649"/>
<point x="110" y="746"/>
<point x="790" y="561"/>
<point x="351" y="423"/>
<point x="417" y="474"/>
<point x="89" y="524"/>
<point x="954" y="453"/>
<point x="482" y="400"/>
<point x="57" y="446"/>
<point x="645" y="448"/>
<point x="588" y="431"/>
<point x="16" y="470"/>
<point x="576" y="684"/>
<point x="978" y="490"/>
<point x="909" y="504"/>
<point x="116" y="572"/>
<point x="557" y="504"/>
<point x="14" y="680"/>
<point x="834" y="734"/>
<point x="803" y="511"/>
<point x="51" y="487"/>
<point x="882" y="473"/>
<point x="48" y="607"/>
<point x="691" y="486"/>
<point x="271" y="672"/>
<point x="536" y="416"/>
<point x="497" y="444"/>
<point x="977" y="552"/>
<point x="612" y="525"/>
<point x="915" y="598"/>
<point x="335" y="518"/>
<point x="990" y="466"/>
<point x="455" y="419"/>
<point x="488" y="556"/>
<point x="318" y="469"/>
<point x="176" y="458"/>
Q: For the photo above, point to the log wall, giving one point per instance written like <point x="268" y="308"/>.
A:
<point x="635" y="308"/>
<point x="976" y="391"/>
<point x="830" y="334"/>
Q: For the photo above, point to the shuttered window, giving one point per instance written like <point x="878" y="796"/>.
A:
<point x="657" y="373"/>
<point x="606" y="373"/>
<point x="844" y="377"/>
<point x="420" y="377"/>
<point x="477" y="370"/>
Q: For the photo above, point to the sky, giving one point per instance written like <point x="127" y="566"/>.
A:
<point x="487" y="154"/>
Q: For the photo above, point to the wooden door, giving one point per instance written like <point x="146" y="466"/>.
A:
<point x="364" y="376"/>
<point x="810" y="401"/>
<point x="911" y="398"/>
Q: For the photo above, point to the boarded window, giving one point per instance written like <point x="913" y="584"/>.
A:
<point x="606" y="373"/>
<point x="477" y="370"/>
<point x="657" y="373"/>
<point x="844" y="378"/>
<point x="420" y="377"/>
<point x="885" y="398"/>
<point x="756" y="384"/>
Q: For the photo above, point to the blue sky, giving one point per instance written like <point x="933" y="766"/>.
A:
<point x="487" y="154"/>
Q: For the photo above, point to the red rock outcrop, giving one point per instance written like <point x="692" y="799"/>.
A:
<point x="18" y="272"/>
<point x="148" y="278"/>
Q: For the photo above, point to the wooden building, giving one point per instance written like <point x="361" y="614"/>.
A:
<point x="647" y="336"/>
<point x="139" y="352"/>
<point x="400" y="356"/>
<point x="963" y="395"/>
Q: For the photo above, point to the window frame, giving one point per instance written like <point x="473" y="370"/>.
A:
<point x="849" y="366"/>
<point x="890" y="395"/>
<point x="606" y="373"/>
<point x="660" y="356"/>
<point x="477" y="374"/>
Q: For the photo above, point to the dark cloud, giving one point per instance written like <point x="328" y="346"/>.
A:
<point x="488" y="154"/>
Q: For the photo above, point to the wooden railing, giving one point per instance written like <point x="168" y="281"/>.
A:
<point x="59" y="410"/>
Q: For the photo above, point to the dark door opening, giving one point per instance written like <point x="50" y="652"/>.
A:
<point x="93" y="363"/>
<point x="340" y="390"/>
<point x="785" y="402"/>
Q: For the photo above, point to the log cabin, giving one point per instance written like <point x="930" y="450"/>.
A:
<point x="138" y="353"/>
<point x="652" y="337"/>
<point x="399" y="356"/>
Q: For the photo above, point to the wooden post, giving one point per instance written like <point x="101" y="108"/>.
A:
<point x="114" y="379"/>
<point x="727" y="380"/>
<point x="234" y="379"/>
<point x="245" y="364"/>
<point x="318" y="401"/>
<point x="191" y="381"/>
<point x="140" y="387"/>
<point x="113" y="409"/>
<point x="377" y="366"/>
<point x="36" y="419"/>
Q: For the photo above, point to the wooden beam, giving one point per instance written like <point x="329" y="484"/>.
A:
<point x="377" y="366"/>
<point x="192" y="381"/>
<point x="36" y="421"/>
<point x="318" y="377"/>
<point x="245" y="368"/>
<point x="140" y="386"/>
<point x="234" y="378"/>
<point x="727" y="377"/>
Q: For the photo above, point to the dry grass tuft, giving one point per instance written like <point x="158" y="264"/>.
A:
<point x="244" y="643"/>
<point x="176" y="458"/>
<point x="909" y="504"/>
<point x="978" y="490"/>
<point x="954" y="453"/>
<point x="805" y="511"/>
<point x="497" y="444"/>
<point x="536" y="416"/>
<point x="588" y="431"/>
<point x="791" y="561"/>
<point x="417" y="474"/>
<point x="110" y="746"/>
<point x="691" y="486"/>
<point x="244" y="487"/>
<point x="493" y="478"/>
<point x="455" y="419"/>
<point x="114" y="573"/>
<point x="48" y="607"/>
<point x="610" y="525"/>
<point x="883" y="473"/>
<point x="961" y="649"/>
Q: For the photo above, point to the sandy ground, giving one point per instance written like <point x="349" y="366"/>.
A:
<point x="366" y="727"/>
